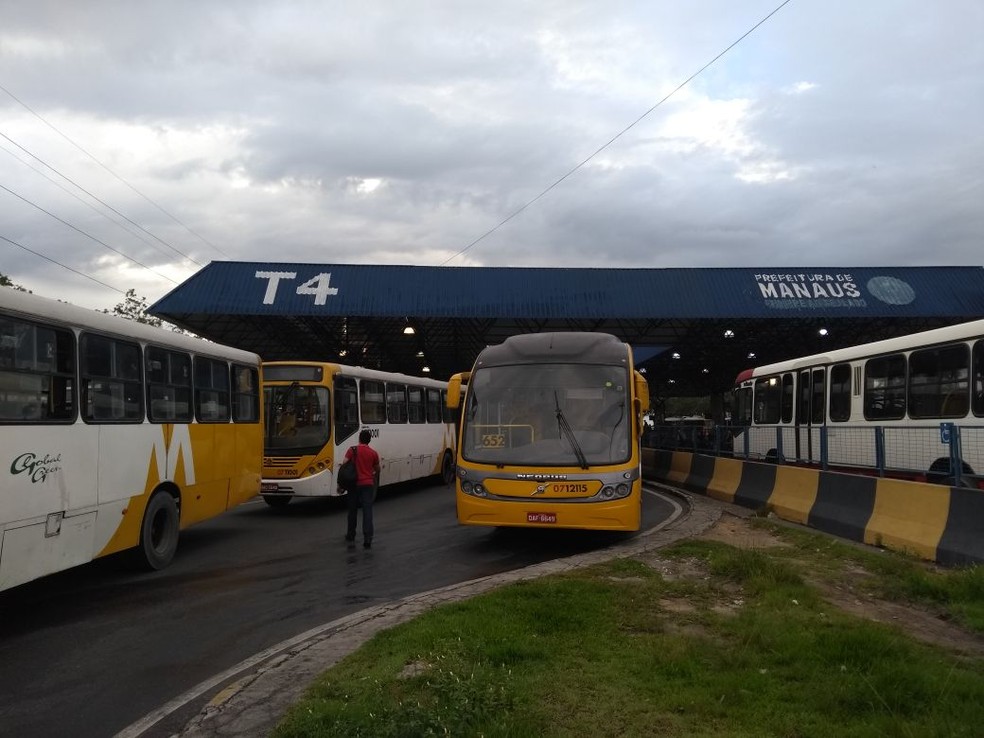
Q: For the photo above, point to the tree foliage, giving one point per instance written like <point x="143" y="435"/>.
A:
<point x="135" y="308"/>
<point x="6" y="281"/>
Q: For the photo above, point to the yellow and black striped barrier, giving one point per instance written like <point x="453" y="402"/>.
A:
<point x="942" y="524"/>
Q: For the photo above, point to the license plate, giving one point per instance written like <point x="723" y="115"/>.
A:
<point x="541" y="517"/>
<point x="269" y="487"/>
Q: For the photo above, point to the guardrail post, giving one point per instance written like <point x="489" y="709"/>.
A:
<point x="880" y="450"/>
<point x="823" y="447"/>
<point x="956" y="457"/>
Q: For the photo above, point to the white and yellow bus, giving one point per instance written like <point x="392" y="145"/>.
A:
<point x="549" y="434"/>
<point x="315" y="410"/>
<point x="115" y="435"/>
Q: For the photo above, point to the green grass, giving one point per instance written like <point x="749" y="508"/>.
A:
<point x="742" y="647"/>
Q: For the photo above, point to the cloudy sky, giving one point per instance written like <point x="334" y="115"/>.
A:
<point x="141" y="140"/>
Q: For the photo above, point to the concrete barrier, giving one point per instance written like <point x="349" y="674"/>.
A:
<point x="942" y="524"/>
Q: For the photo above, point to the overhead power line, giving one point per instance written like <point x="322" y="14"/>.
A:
<point x="89" y="205"/>
<point x="63" y="266"/>
<point x="617" y="136"/>
<point x="87" y="235"/>
<point x="110" y="171"/>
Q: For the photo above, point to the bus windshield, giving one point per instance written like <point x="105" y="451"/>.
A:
<point x="297" y="417"/>
<point x="547" y="414"/>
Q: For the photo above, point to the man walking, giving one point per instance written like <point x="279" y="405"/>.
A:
<point x="367" y="480"/>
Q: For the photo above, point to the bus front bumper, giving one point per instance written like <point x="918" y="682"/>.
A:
<point x="622" y="514"/>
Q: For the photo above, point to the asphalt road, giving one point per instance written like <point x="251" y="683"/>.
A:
<point x="87" y="652"/>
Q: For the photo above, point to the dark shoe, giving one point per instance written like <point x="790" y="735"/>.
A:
<point x="350" y="537"/>
<point x="367" y="543"/>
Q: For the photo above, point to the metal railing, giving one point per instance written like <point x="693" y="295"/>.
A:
<point x="944" y="453"/>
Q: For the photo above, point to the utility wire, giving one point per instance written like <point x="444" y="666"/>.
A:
<point x="63" y="266"/>
<point x="100" y="201"/>
<point x="618" y="135"/>
<point x="134" y="189"/>
<point x="87" y="235"/>
<point x="89" y="205"/>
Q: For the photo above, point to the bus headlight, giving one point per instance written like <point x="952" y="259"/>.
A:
<point x="473" y="488"/>
<point x="622" y="490"/>
<point x="608" y="492"/>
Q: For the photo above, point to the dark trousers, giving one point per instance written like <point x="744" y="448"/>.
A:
<point x="363" y="497"/>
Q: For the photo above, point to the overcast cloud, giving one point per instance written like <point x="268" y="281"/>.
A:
<point x="837" y="134"/>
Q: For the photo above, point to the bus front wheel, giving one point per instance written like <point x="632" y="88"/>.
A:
<point x="158" y="532"/>
<point x="447" y="468"/>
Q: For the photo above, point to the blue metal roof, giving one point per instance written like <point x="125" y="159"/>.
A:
<point x="270" y="289"/>
<point x="716" y="321"/>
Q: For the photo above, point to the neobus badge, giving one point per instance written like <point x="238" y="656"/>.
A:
<point x="542" y="477"/>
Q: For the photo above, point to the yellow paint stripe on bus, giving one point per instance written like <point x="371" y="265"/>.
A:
<point x="908" y="516"/>
<point x="794" y="493"/>
<point x="724" y="483"/>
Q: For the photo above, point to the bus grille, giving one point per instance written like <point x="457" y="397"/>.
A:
<point x="281" y="462"/>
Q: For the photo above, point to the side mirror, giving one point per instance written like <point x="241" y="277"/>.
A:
<point x="642" y="398"/>
<point x="454" y="389"/>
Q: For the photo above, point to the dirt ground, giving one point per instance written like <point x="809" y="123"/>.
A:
<point x="921" y="623"/>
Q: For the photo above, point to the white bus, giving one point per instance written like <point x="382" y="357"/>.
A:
<point x="115" y="435"/>
<point x="314" y="411"/>
<point x="910" y="407"/>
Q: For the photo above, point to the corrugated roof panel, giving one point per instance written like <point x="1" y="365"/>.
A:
<point x="256" y="288"/>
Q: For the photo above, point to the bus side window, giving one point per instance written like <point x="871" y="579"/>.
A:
<point x="39" y="388"/>
<point x="884" y="388"/>
<point x="434" y="405"/>
<point x="840" y="393"/>
<point x="977" y="370"/>
<point x="111" y="380"/>
<point x="168" y="386"/>
<point x="211" y="390"/>
<point x="246" y="394"/>
<point x="417" y="408"/>
<point x="396" y="403"/>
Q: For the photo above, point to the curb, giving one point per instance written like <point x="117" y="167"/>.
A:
<point x="258" y="692"/>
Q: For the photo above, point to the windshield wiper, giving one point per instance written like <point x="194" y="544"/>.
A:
<point x="611" y="433"/>
<point x="565" y="429"/>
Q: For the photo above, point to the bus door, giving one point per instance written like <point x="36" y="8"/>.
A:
<point x="810" y="414"/>
<point x="346" y="409"/>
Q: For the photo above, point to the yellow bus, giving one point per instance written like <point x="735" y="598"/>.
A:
<point x="549" y="437"/>
<point x="115" y="435"/>
<point x="314" y="411"/>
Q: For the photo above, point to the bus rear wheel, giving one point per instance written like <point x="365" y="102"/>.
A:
<point x="277" y="500"/>
<point x="158" y="532"/>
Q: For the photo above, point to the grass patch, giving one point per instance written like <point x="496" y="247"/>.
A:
<point x="716" y="641"/>
<point x="957" y="593"/>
